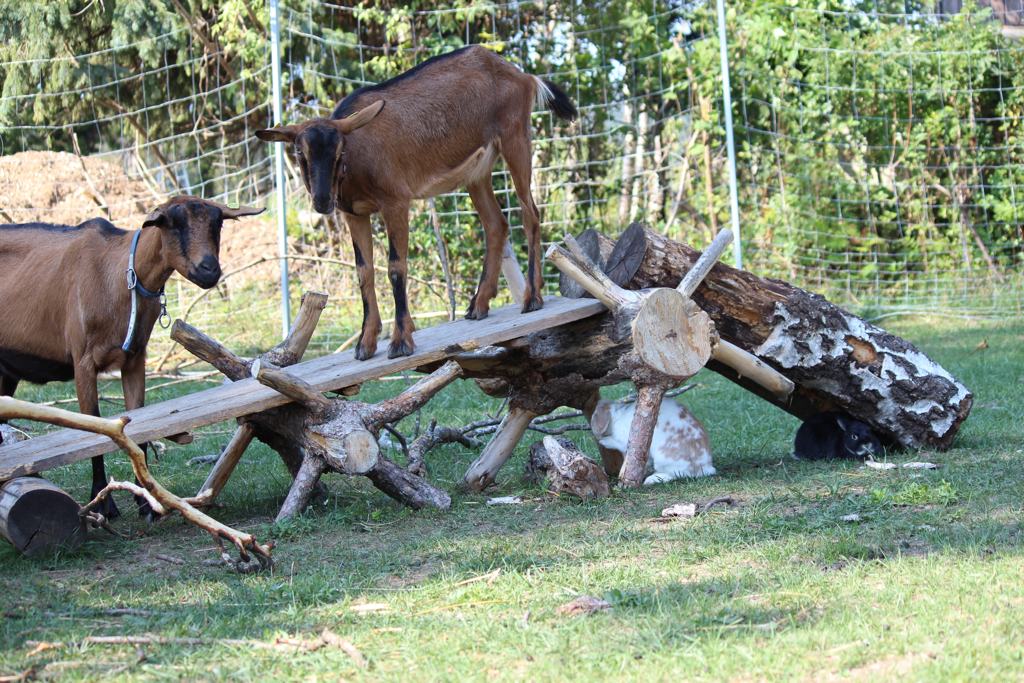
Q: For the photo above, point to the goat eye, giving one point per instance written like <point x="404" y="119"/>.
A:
<point x="855" y="437"/>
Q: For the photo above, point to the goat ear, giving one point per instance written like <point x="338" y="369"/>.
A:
<point x="156" y="217"/>
<point x="242" y="211"/>
<point x="279" y="134"/>
<point x="843" y="422"/>
<point x="227" y="212"/>
<point x="360" y="118"/>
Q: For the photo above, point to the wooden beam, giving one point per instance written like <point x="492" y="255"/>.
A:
<point x="328" y="373"/>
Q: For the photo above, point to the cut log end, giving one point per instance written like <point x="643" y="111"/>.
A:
<point x="38" y="518"/>
<point x="671" y="335"/>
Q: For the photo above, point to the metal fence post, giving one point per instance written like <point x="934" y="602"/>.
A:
<point x="730" y="145"/>
<point x="279" y="177"/>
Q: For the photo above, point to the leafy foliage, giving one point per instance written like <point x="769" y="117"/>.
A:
<point x="880" y="146"/>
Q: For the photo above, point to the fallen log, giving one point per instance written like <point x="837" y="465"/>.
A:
<point x="836" y="359"/>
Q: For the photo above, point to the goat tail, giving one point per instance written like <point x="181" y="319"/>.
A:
<point x="554" y="98"/>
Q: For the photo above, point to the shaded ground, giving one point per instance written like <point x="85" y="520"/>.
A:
<point x="929" y="585"/>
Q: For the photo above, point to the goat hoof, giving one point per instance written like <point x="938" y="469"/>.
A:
<point x="473" y="314"/>
<point x="400" y="347"/>
<point x="364" y="353"/>
<point x="533" y="303"/>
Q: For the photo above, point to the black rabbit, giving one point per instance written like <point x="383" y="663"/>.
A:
<point x="834" y="435"/>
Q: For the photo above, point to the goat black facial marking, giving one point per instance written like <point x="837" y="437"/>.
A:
<point x="322" y="145"/>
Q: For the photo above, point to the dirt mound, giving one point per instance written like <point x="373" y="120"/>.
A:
<point x="52" y="187"/>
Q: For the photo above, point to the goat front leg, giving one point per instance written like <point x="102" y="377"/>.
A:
<point x="133" y="383"/>
<point x="362" y="247"/>
<point x="496" y="233"/>
<point x="89" y="404"/>
<point x="396" y="221"/>
<point x="515" y="149"/>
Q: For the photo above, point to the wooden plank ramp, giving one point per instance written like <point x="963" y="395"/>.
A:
<point x="328" y="373"/>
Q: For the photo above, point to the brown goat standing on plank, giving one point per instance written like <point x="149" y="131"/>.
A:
<point x="66" y="305"/>
<point x="432" y="129"/>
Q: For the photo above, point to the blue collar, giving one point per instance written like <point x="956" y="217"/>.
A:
<point x="136" y="288"/>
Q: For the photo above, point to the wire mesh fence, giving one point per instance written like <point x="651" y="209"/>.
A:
<point x="880" y="144"/>
<point x="882" y="154"/>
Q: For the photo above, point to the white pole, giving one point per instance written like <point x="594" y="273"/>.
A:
<point x="279" y="178"/>
<point x="730" y="145"/>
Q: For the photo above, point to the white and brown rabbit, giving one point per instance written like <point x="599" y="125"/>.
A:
<point x="679" y="447"/>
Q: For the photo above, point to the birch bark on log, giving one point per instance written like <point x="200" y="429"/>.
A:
<point x="838" y="360"/>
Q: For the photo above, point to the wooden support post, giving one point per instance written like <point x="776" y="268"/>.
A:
<point x="406" y="487"/>
<point x="750" y="366"/>
<point x="695" y="275"/>
<point x="513" y="273"/>
<point x="302" y="488"/>
<point x="641" y="432"/>
<point x="225" y="466"/>
<point x="291" y="349"/>
<point x="482" y="472"/>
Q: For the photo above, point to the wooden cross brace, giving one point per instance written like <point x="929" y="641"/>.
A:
<point x="315" y="434"/>
<point x="672" y="340"/>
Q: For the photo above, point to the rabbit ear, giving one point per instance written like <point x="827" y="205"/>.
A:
<point x="600" y="421"/>
<point x="843" y="422"/>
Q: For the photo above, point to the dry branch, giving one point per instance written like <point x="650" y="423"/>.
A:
<point x="11" y="408"/>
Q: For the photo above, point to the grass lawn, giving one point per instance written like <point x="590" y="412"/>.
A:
<point x="929" y="585"/>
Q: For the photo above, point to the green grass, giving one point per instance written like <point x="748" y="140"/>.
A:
<point x="928" y="585"/>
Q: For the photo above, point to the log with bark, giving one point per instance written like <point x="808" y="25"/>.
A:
<point x="837" y="360"/>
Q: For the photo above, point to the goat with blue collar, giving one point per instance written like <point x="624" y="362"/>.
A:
<point x="80" y="300"/>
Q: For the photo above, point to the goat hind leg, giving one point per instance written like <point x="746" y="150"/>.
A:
<point x="496" y="233"/>
<point x="133" y="382"/>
